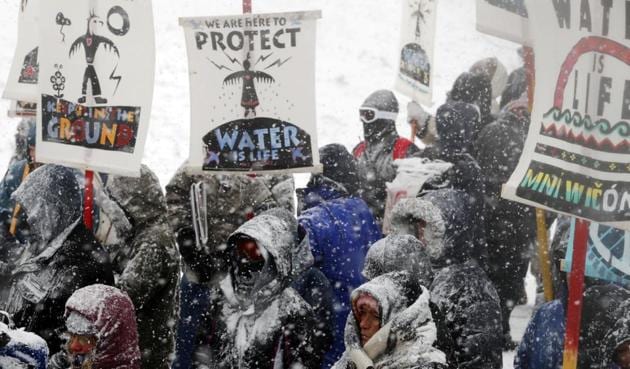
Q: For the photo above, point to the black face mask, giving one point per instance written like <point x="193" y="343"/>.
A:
<point x="378" y="130"/>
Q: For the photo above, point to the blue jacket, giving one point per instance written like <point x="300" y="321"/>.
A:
<point x="543" y="343"/>
<point x="341" y="228"/>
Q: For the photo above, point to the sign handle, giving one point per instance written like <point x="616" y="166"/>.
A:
<point x="88" y="200"/>
<point x="543" y="254"/>
<point x="576" y="289"/>
<point x="541" y="224"/>
<point x="247" y="6"/>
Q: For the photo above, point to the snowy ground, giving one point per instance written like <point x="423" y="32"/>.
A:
<point x="356" y="54"/>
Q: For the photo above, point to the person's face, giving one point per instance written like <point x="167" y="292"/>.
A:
<point x="81" y="351"/>
<point x="622" y="355"/>
<point x="249" y="263"/>
<point x="369" y="322"/>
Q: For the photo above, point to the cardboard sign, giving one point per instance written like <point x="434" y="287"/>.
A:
<point x="577" y="155"/>
<point x="416" y="67"/>
<point x="607" y="255"/>
<point x="506" y="19"/>
<point x="97" y="69"/>
<point x="24" y="72"/>
<point x="252" y="89"/>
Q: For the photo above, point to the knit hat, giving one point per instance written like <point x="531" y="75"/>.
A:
<point x="383" y="100"/>
<point x="340" y="166"/>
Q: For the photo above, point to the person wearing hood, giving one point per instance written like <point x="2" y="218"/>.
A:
<point x="400" y="251"/>
<point x="382" y="145"/>
<point x="460" y="290"/>
<point x="510" y="227"/>
<point x="604" y="308"/>
<point x="203" y="210"/>
<point x="455" y="122"/>
<point x="615" y="347"/>
<point x="147" y="265"/>
<point x="340" y="228"/>
<point x="60" y="257"/>
<point x="496" y="72"/>
<point x="101" y="331"/>
<point x="391" y="326"/>
<point x="470" y="88"/>
<point x="265" y="323"/>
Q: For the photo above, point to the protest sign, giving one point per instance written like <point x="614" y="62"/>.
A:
<point x="506" y="19"/>
<point x="607" y="254"/>
<point x="415" y="70"/>
<point x="252" y="90"/>
<point x="577" y="159"/>
<point x="24" y="72"/>
<point x="97" y="69"/>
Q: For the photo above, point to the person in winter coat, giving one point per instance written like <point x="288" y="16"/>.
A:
<point x="12" y="221"/>
<point x="455" y="122"/>
<point x="340" y="228"/>
<point x="475" y="89"/>
<point x="20" y="349"/>
<point x="375" y="156"/>
<point x="461" y="291"/>
<point x="148" y="264"/>
<point x="265" y="323"/>
<point x="391" y="326"/>
<point x="61" y="255"/>
<point x="615" y="347"/>
<point x="101" y="331"/>
<point x="510" y="227"/>
<point x="203" y="210"/>
<point x="604" y="306"/>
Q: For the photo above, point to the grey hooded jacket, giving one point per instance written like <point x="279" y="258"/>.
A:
<point x="148" y="265"/>
<point x="270" y="323"/>
<point x="407" y="334"/>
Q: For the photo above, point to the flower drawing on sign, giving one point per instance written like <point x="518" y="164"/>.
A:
<point x="58" y="81"/>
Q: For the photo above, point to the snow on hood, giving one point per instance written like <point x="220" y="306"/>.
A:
<point x="283" y="242"/>
<point x="112" y="315"/>
<point x="407" y="325"/>
<point x="399" y="252"/>
<point x="141" y="198"/>
<point x="51" y="198"/>
<point x="408" y="211"/>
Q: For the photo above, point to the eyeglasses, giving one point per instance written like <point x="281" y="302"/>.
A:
<point x="369" y="115"/>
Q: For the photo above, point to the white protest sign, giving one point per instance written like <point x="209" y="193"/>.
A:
<point x="96" y="83"/>
<point x="252" y="90"/>
<point x="416" y="63"/>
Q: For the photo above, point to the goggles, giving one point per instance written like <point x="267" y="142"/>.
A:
<point x="369" y="115"/>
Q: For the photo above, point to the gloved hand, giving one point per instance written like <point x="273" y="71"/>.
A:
<point x="417" y="115"/>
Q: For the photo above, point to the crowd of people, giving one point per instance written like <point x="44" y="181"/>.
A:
<point x="219" y="272"/>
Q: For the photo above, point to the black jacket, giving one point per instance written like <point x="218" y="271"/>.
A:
<point x="79" y="262"/>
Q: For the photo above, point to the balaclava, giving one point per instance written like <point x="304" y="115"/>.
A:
<point x="383" y="100"/>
